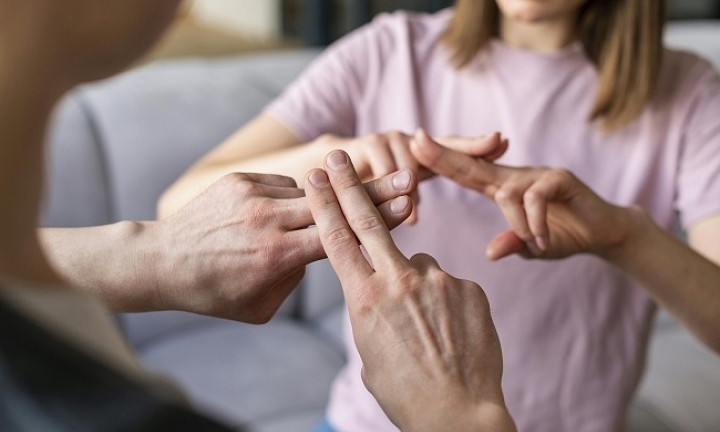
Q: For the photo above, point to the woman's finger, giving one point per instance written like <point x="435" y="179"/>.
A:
<point x="295" y="213"/>
<point x="505" y="244"/>
<point x="478" y="174"/>
<point x="509" y="199"/>
<point x="379" y="155"/>
<point x="489" y="147"/>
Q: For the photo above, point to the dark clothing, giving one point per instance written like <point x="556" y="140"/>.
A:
<point x="47" y="384"/>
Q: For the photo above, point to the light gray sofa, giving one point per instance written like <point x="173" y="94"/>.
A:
<point x="115" y="146"/>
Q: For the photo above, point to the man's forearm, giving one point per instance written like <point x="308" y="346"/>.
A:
<point x="116" y="262"/>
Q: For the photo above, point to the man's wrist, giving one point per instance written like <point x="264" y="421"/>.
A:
<point x="482" y="417"/>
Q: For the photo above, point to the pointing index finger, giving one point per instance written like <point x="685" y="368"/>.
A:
<point x="474" y="173"/>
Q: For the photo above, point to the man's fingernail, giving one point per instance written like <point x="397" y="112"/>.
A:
<point x="399" y="204"/>
<point x="318" y="178"/>
<point x="337" y="160"/>
<point x="401" y="181"/>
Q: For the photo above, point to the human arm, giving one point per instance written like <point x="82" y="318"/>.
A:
<point x="430" y="353"/>
<point x="267" y="145"/>
<point x="553" y="215"/>
<point x="236" y="251"/>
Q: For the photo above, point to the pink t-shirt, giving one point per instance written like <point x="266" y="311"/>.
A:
<point x="574" y="331"/>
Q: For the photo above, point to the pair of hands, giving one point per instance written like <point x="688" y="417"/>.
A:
<point x="550" y="213"/>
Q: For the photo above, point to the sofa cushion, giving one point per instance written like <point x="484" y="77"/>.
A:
<point x="237" y="372"/>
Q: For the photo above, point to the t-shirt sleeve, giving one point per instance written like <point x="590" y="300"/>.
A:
<point x="698" y="194"/>
<point x="325" y="96"/>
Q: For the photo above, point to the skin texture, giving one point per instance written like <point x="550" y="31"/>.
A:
<point x="404" y="309"/>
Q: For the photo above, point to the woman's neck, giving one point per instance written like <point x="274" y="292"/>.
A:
<point x="541" y="36"/>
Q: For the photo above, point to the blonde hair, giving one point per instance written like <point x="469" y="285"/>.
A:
<point x="623" y="38"/>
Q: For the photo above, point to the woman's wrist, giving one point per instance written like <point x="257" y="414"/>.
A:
<point x="633" y="224"/>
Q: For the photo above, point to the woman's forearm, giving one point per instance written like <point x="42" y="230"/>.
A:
<point x="679" y="279"/>
<point x="293" y="162"/>
<point x="265" y="145"/>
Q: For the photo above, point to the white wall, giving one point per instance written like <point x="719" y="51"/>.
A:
<point x="255" y="18"/>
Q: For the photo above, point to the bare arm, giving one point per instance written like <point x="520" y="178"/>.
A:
<point x="684" y="282"/>
<point x="267" y="146"/>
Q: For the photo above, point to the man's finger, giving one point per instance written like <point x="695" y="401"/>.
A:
<point x="461" y="168"/>
<point x="308" y="246"/>
<point x="403" y="182"/>
<point x="335" y="234"/>
<point x="361" y="214"/>
<point x="296" y="214"/>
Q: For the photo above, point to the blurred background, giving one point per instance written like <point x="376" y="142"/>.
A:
<point x="224" y="27"/>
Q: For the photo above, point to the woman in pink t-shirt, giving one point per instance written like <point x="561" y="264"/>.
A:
<point x="583" y="86"/>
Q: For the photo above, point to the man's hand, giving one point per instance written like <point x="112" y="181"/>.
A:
<point x="239" y="249"/>
<point x="551" y="213"/>
<point x="236" y="251"/>
<point x="430" y="351"/>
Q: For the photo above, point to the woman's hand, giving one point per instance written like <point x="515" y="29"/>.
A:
<point x="377" y="155"/>
<point x="551" y="213"/>
<point x="431" y="356"/>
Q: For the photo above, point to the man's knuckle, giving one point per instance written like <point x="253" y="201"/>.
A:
<point x="339" y="238"/>
<point x="345" y="182"/>
<point x="366" y="222"/>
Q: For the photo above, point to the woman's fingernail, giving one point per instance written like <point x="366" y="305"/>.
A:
<point x="337" y="160"/>
<point x="318" y="178"/>
<point x="533" y="248"/>
<point x="399" y="204"/>
<point x="541" y="243"/>
<point x="401" y="181"/>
